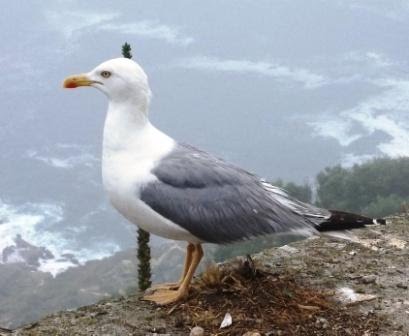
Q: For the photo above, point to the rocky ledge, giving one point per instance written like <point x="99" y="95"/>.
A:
<point x="319" y="286"/>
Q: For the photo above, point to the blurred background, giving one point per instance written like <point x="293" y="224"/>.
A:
<point x="282" y="88"/>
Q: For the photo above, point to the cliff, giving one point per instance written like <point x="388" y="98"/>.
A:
<point x="319" y="286"/>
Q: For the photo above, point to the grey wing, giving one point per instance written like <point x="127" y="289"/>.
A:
<point x="220" y="203"/>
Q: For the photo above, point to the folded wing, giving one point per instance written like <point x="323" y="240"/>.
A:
<point x="220" y="203"/>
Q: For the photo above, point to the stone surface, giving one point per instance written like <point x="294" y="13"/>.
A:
<point x="379" y="253"/>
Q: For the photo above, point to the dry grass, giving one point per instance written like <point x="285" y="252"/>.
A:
<point x="270" y="304"/>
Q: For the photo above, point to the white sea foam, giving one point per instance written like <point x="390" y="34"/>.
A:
<point x="32" y="221"/>
<point x="386" y="112"/>
<point x="24" y="220"/>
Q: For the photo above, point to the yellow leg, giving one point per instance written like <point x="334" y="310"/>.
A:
<point x="175" y="285"/>
<point x="188" y="261"/>
<point x="167" y="296"/>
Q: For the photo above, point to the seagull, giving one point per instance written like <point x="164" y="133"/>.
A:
<point x="176" y="191"/>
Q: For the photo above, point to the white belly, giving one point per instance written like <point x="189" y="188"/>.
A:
<point x="127" y="163"/>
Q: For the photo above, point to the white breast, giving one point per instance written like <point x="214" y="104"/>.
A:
<point x="128" y="159"/>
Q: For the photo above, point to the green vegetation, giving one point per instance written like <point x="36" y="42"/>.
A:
<point x="144" y="251"/>
<point x="376" y="188"/>
<point x="126" y="50"/>
<point x="144" y="258"/>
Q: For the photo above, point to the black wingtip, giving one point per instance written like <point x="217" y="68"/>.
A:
<point x="341" y="220"/>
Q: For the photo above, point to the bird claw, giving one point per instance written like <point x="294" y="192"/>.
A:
<point x="166" y="296"/>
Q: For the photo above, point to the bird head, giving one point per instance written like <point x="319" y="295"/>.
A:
<point x="121" y="79"/>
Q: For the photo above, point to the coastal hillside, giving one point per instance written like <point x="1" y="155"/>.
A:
<point x="319" y="286"/>
<point x="28" y="294"/>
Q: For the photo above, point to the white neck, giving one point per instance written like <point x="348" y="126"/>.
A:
<point x="123" y="122"/>
<point x="131" y="145"/>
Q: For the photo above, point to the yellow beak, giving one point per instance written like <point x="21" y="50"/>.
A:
<point x="74" y="81"/>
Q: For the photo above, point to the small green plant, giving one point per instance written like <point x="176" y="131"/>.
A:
<point x="126" y="50"/>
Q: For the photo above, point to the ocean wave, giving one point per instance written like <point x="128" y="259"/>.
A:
<point x="32" y="222"/>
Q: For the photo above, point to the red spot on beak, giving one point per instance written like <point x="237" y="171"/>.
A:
<point x="70" y="85"/>
<point x="75" y="81"/>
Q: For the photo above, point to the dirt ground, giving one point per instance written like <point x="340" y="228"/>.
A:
<point x="319" y="286"/>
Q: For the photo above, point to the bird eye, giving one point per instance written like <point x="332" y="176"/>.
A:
<point x="105" y="74"/>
